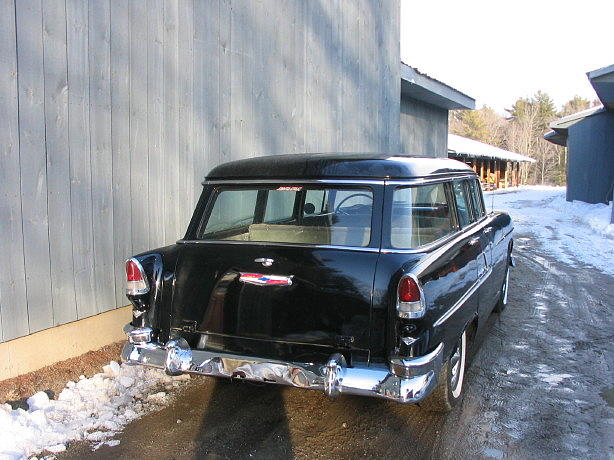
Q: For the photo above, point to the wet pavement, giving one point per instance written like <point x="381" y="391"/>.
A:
<point x="540" y="385"/>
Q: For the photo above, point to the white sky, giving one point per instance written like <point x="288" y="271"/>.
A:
<point x="496" y="51"/>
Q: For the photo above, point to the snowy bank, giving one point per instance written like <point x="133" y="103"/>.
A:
<point x="574" y="232"/>
<point x="91" y="409"/>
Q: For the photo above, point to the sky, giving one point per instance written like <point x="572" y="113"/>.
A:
<point x="497" y="51"/>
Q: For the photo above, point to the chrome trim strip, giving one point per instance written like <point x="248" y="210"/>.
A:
<point x="427" y="247"/>
<point x="459" y="303"/>
<point x="504" y="237"/>
<point x="297" y="181"/>
<point x="444" y="177"/>
<point x="292" y="245"/>
<point x="459" y="233"/>
<point x="440" y="242"/>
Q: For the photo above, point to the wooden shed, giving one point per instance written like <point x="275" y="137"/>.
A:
<point x="497" y="168"/>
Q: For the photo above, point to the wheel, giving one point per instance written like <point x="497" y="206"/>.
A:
<point x="502" y="302"/>
<point x="448" y="391"/>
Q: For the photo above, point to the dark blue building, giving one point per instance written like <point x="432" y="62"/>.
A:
<point x="589" y="138"/>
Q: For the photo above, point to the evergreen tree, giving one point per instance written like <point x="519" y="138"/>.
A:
<point x="576" y="104"/>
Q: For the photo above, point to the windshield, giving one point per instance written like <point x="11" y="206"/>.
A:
<point x="319" y="214"/>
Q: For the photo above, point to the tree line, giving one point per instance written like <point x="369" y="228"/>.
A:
<point x="522" y="131"/>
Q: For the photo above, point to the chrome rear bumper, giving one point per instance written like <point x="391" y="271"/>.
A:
<point x="418" y="376"/>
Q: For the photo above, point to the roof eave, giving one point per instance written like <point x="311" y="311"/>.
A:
<point x="557" y="137"/>
<point x="600" y="72"/>
<point x="602" y="81"/>
<point x="423" y="88"/>
<point x="566" y="122"/>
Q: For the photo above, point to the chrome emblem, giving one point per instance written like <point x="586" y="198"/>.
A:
<point x="265" y="280"/>
<point x="264" y="261"/>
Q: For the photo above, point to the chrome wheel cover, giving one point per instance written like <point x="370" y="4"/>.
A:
<point x="505" y="286"/>
<point x="457" y="367"/>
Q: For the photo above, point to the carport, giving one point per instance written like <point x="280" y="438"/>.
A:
<point x="497" y="168"/>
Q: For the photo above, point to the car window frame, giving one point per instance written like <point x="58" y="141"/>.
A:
<point x="387" y="245"/>
<point x="464" y="183"/>
<point x="212" y="189"/>
<point x="480" y="196"/>
<point x="390" y="184"/>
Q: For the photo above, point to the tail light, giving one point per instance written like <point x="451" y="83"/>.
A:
<point x="410" y="298"/>
<point x="136" y="281"/>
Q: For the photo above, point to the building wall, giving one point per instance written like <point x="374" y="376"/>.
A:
<point x="424" y="129"/>
<point x="113" y="111"/>
<point x="590" y="163"/>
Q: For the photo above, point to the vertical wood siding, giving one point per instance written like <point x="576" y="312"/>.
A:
<point x="424" y="129"/>
<point x="113" y="111"/>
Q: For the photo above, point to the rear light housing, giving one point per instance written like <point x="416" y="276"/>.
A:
<point x="410" y="298"/>
<point x="136" y="280"/>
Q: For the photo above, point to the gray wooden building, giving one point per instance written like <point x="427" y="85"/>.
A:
<point x="425" y="103"/>
<point x="112" y="111"/>
<point x="589" y="138"/>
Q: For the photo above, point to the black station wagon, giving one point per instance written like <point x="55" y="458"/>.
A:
<point x="363" y="274"/>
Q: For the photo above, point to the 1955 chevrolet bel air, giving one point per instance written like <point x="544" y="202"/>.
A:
<point x="361" y="274"/>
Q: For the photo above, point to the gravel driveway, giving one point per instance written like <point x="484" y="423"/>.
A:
<point x="541" y="385"/>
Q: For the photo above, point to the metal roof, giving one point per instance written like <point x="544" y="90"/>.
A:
<point x="337" y="166"/>
<point x="420" y="86"/>
<point x="559" y="127"/>
<point x="566" y="122"/>
<point x="600" y="72"/>
<point x="602" y="81"/>
<point x="462" y="146"/>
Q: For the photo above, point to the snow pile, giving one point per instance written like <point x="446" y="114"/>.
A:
<point x="572" y="231"/>
<point x="92" y="409"/>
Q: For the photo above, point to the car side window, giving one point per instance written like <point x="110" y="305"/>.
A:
<point x="279" y="206"/>
<point x="233" y="208"/>
<point x="462" y="203"/>
<point x="476" y="199"/>
<point x="420" y="215"/>
<point x="314" y="202"/>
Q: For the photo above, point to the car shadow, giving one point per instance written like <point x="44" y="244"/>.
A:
<point x="268" y="421"/>
<point x="243" y="419"/>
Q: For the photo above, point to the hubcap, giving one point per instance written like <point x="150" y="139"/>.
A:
<point x="505" y="284"/>
<point x="457" y="364"/>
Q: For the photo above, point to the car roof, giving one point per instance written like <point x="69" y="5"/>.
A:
<point x="338" y="166"/>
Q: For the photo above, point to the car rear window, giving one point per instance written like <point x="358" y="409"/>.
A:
<point x="420" y="215"/>
<point x="321" y="215"/>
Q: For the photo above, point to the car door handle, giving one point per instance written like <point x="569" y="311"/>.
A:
<point x="474" y="241"/>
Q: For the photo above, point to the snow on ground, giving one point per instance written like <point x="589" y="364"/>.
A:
<point x="574" y="232"/>
<point x="91" y="409"/>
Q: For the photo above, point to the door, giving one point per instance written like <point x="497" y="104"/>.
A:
<point x="487" y="291"/>
<point x="281" y="264"/>
<point x="471" y="247"/>
<point x="419" y="216"/>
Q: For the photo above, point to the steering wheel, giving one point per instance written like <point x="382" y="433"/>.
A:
<point x="365" y="195"/>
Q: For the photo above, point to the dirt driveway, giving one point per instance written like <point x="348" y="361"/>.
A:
<point x="541" y="385"/>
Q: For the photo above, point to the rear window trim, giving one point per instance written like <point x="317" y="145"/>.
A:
<point x="375" y="230"/>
